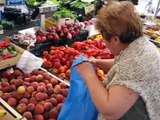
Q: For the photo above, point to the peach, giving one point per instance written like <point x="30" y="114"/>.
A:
<point x="41" y="89"/>
<point x="38" y="117"/>
<point x="46" y="76"/>
<point x="50" y="91"/>
<point x="57" y="89"/>
<point x="31" y="107"/>
<point x="6" y="74"/>
<point x="59" y="107"/>
<point x="27" y="115"/>
<point x="49" y="85"/>
<point x="45" y="96"/>
<point x="63" y="61"/>
<point x="5" y="89"/>
<point x="63" y="85"/>
<point x="56" y="60"/>
<point x="21" y="89"/>
<point x="62" y="69"/>
<point x="30" y="89"/>
<point x="16" y="95"/>
<point x="53" y="113"/>
<point x="20" y="77"/>
<point x="46" y="81"/>
<point x="35" y="72"/>
<point x="47" y="64"/>
<point x="42" y="102"/>
<point x="39" y="109"/>
<point x="62" y="75"/>
<point x="25" y="83"/>
<point x="57" y="64"/>
<point x="42" y="84"/>
<point x="34" y="94"/>
<point x="53" y="81"/>
<point x="53" y="101"/>
<point x="24" y="100"/>
<point x="27" y="79"/>
<point x="6" y="96"/>
<point x="35" y="85"/>
<point x="59" y="98"/>
<point x="21" y="108"/>
<point x="68" y="72"/>
<point x="33" y="78"/>
<point x="55" y="71"/>
<point x="39" y="78"/>
<point x="40" y="72"/>
<point x="5" y="84"/>
<point x="17" y="73"/>
<point x="18" y="82"/>
<point x="26" y="95"/>
<point x="39" y="96"/>
<point x="65" y="92"/>
<point x="12" y="81"/>
<point x="33" y="100"/>
<point x="12" y="102"/>
<point x="48" y="106"/>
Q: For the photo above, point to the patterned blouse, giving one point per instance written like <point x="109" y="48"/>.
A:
<point x="138" y="67"/>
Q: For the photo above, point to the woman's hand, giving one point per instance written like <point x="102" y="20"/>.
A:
<point x="86" y="70"/>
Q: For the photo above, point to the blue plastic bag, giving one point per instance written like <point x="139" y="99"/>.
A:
<point x="78" y="104"/>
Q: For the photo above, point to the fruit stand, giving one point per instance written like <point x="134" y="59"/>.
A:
<point x="40" y="94"/>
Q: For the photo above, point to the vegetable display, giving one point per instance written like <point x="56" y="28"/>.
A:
<point x="7" y="50"/>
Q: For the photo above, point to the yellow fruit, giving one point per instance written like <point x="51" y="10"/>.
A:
<point x="2" y="113"/>
<point x="100" y="72"/>
<point x="21" y="89"/>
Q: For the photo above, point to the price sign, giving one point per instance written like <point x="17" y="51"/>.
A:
<point x="44" y="9"/>
<point x="89" y="9"/>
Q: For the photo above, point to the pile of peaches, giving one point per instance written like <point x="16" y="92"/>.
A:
<point x="36" y="96"/>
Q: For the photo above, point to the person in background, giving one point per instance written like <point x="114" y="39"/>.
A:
<point x="131" y="90"/>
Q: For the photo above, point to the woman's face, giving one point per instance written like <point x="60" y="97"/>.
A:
<point x="114" y="45"/>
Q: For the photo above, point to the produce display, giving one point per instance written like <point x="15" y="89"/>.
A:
<point x="59" y="59"/>
<point x="38" y="3"/>
<point x="56" y="33"/>
<point x="36" y="96"/>
<point x="7" y="50"/>
<point x="64" y="13"/>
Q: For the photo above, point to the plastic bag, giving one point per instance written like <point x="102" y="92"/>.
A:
<point x="78" y="104"/>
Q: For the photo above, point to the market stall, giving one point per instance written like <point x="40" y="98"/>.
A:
<point x="50" y="45"/>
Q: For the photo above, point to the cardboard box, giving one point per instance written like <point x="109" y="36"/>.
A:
<point x="11" y="113"/>
<point x="12" y="61"/>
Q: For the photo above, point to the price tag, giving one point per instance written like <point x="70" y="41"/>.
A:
<point x="53" y="8"/>
<point x="47" y="9"/>
<point x="89" y="9"/>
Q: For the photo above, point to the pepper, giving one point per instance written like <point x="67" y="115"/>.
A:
<point x="13" y="53"/>
<point x="6" y="56"/>
<point x="11" y="48"/>
<point x="5" y="51"/>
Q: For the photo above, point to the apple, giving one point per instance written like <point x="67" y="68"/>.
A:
<point x="21" y="89"/>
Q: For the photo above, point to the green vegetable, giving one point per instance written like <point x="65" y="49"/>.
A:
<point x="13" y="53"/>
<point x="31" y="2"/>
<point x="5" y="51"/>
<point x="64" y="13"/>
<point x="11" y="48"/>
<point x="80" y="5"/>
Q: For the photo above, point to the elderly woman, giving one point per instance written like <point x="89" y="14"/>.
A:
<point x="132" y="89"/>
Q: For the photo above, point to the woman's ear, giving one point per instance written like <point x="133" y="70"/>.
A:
<point x="115" y="40"/>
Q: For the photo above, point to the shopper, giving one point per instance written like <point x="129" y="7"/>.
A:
<point x="131" y="90"/>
